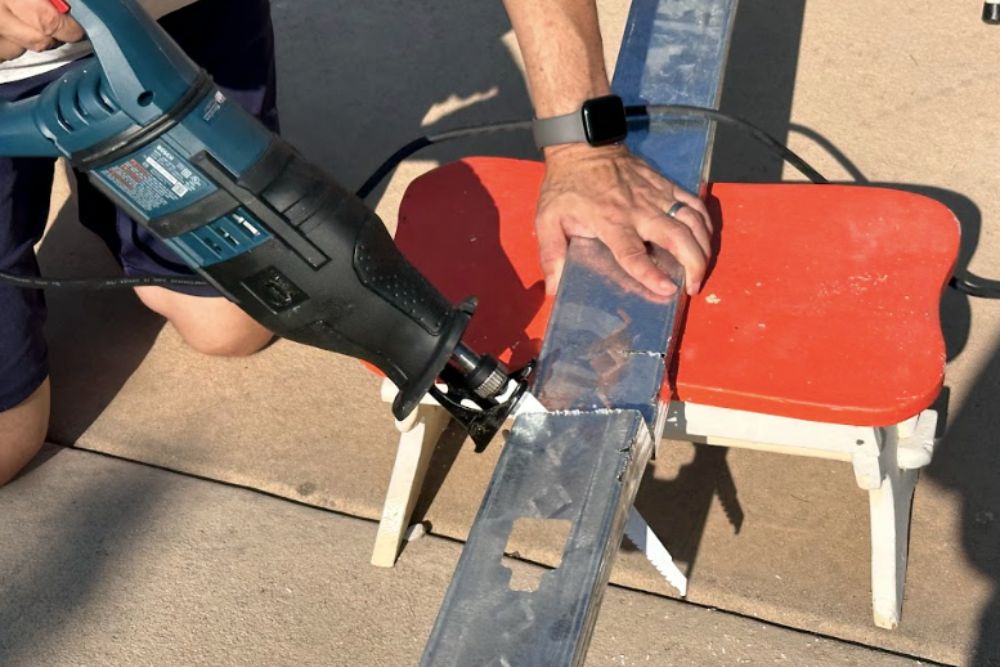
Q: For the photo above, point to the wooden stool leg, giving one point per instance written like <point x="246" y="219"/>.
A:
<point x="890" y="528"/>
<point x="890" y="479"/>
<point x="890" y="502"/>
<point x="419" y="434"/>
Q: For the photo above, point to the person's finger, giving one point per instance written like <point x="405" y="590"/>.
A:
<point x="693" y="220"/>
<point x="678" y="239"/>
<point x="551" y="251"/>
<point x="630" y="252"/>
<point x="42" y="16"/>
<point x="697" y="204"/>
<point x="24" y="35"/>
<point x="672" y="193"/>
<point x="69" y="30"/>
<point x="9" y="50"/>
<point x="38" y="14"/>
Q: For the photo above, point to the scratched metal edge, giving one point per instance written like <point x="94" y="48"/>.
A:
<point x="642" y="452"/>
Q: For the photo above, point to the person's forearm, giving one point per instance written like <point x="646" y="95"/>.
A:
<point x="601" y="192"/>
<point x="563" y="54"/>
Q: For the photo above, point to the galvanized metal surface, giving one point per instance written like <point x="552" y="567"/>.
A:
<point x="608" y="338"/>
<point x="543" y="473"/>
<point x="602" y="365"/>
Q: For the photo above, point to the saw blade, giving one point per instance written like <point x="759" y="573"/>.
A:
<point x="641" y="535"/>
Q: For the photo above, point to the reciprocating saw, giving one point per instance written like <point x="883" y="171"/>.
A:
<point x="273" y="233"/>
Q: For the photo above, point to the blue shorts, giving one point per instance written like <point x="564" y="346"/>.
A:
<point x="233" y="40"/>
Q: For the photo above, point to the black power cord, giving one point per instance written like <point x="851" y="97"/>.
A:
<point x="972" y="285"/>
<point x="386" y="168"/>
<point x="635" y="114"/>
<point x="99" y="284"/>
<point x="769" y="142"/>
<point x="991" y="12"/>
<point x="409" y="149"/>
<point x="967" y="283"/>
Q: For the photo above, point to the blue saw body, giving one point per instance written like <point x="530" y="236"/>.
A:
<point x="272" y="232"/>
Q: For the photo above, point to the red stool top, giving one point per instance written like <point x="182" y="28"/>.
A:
<point x="822" y="303"/>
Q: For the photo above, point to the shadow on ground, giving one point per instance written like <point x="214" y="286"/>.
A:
<point x="60" y="564"/>
<point x="358" y="84"/>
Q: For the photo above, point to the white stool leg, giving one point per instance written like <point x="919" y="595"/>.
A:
<point x="890" y="526"/>
<point x="905" y="449"/>
<point x="419" y="434"/>
<point x="885" y="464"/>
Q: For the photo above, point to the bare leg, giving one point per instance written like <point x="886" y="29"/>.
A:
<point x="22" y="432"/>
<point x="211" y="325"/>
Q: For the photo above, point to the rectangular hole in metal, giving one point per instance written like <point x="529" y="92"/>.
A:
<point x="526" y="531"/>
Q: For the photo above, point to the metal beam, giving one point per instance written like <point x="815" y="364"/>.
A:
<point x="544" y="475"/>
<point x="605" y="356"/>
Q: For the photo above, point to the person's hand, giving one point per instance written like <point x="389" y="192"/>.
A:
<point x="610" y="194"/>
<point x="33" y="25"/>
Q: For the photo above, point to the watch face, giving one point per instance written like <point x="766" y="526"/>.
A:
<point x="604" y="120"/>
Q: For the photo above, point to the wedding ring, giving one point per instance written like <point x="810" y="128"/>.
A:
<point x="675" y="209"/>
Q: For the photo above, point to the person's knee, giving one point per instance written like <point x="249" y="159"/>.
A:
<point x="241" y="342"/>
<point x="22" y="432"/>
<point x="210" y="325"/>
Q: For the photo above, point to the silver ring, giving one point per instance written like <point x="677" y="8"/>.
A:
<point x="675" y="209"/>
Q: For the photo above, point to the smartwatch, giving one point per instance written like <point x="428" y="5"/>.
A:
<point x="601" y="121"/>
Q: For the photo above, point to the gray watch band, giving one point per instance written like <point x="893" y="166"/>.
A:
<point x="565" y="129"/>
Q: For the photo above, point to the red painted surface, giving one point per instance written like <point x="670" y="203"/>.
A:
<point x="822" y="303"/>
<point x="469" y="227"/>
<point x="61" y="6"/>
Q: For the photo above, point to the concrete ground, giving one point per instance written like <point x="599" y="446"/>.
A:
<point x="877" y="92"/>
<point x="128" y="565"/>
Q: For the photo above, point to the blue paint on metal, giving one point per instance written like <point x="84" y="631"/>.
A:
<point x="674" y="52"/>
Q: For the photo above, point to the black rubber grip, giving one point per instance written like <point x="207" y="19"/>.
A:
<point x="363" y="298"/>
